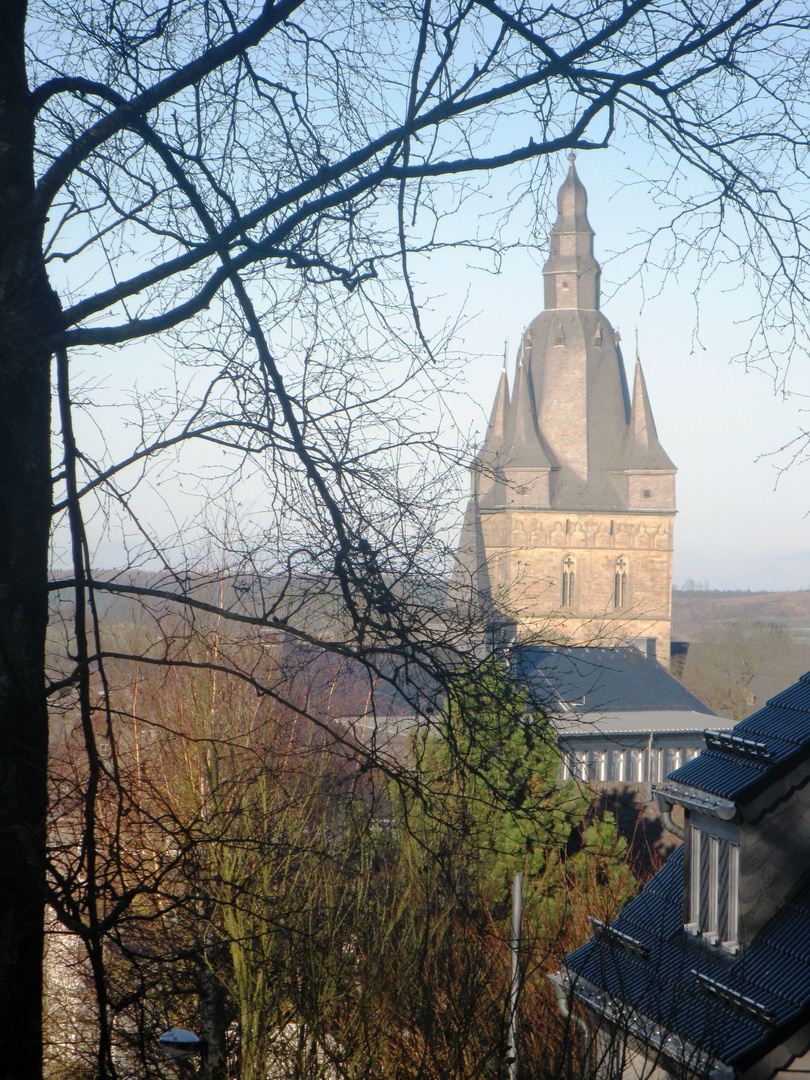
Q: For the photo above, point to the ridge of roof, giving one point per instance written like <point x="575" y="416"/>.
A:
<point x="782" y="727"/>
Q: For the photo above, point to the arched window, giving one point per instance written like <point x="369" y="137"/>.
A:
<point x="568" y="581"/>
<point x="620" y="583"/>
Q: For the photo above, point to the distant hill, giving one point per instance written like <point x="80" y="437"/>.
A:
<point x="696" y="612"/>
<point x="744" y="647"/>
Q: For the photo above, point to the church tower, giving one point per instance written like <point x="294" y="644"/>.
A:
<point x="573" y="505"/>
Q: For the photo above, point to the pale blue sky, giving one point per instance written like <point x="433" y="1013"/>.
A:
<point x="736" y="526"/>
<point x="740" y="523"/>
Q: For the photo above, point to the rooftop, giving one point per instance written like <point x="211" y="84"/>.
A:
<point x="734" y="1009"/>
<point x="781" y="730"/>
<point x="604" y="682"/>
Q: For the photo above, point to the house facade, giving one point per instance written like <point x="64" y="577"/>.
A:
<point x="706" y="974"/>
<point x="622" y="720"/>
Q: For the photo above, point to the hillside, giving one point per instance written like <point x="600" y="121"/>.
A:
<point x="695" y="613"/>
<point x="744" y="647"/>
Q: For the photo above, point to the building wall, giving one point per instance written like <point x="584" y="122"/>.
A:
<point x="774" y="852"/>
<point x="528" y="548"/>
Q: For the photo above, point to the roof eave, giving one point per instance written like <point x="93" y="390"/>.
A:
<point x="694" y="799"/>
<point x="649" y="1033"/>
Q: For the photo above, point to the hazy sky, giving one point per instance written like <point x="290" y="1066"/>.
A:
<point x="740" y="523"/>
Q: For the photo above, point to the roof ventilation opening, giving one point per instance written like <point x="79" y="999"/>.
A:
<point x="560" y="335"/>
<point x="737" y="744"/>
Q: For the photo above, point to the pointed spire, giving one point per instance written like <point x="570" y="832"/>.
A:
<point x="645" y="451"/>
<point x="498" y="419"/>
<point x="572" y="273"/>
<point x="487" y="460"/>
<point x="471" y="571"/>
<point x="523" y="446"/>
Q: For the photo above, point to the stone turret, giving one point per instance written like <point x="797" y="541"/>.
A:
<point x="571" y="273"/>
<point x="575" y="495"/>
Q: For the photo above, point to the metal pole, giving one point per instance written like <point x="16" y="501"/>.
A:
<point x="514" y="975"/>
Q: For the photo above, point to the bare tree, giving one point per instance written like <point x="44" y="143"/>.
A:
<point x="245" y="187"/>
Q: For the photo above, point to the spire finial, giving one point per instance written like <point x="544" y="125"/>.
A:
<point x="572" y="157"/>
<point x="637" y="353"/>
<point x="505" y="353"/>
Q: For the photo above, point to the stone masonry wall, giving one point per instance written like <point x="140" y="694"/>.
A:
<point x="528" y="549"/>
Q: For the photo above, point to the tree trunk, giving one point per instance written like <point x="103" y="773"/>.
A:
<point x="28" y="315"/>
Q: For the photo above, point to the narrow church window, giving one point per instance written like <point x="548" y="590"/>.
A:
<point x="612" y="528"/>
<point x="620" y="584"/>
<point x="568" y="525"/>
<point x="565" y="284"/>
<point x="560" y="335"/>
<point x="647" y="493"/>
<point x="568" y="580"/>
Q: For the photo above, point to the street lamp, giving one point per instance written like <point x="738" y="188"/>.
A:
<point x="179" y="1044"/>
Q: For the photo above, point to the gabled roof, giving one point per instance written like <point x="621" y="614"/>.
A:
<point x="733" y="1009"/>
<point x="781" y="729"/>
<point x="592" y="680"/>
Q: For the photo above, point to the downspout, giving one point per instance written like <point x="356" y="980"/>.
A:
<point x="665" y="810"/>
<point x="564" y="1005"/>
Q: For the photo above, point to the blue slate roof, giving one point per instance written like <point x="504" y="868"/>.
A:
<point x="782" y="728"/>
<point x="602" y="680"/>
<point x="774" y="972"/>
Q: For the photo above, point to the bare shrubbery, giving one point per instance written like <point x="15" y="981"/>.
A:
<point x="308" y="913"/>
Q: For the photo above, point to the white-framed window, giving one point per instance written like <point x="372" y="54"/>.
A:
<point x="637" y="766"/>
<point x="713" y="888"/>
<point x="617" y="765"/>
<point x="565" y="766"/>
<point x="600" y="765"/>
<point x="674" y="760"/>
<point x="581" y="765"/>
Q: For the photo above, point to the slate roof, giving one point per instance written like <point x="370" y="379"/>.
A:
<point x="664" y="986"/>
<point x="636" y="722"/>
<point x="595" y="681"/>
<point x="734" y="1009"/>
<point x="781" y="728"/>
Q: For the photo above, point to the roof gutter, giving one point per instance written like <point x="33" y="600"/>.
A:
<point x="564" y="992"/>
<point x="694" y="799"/>
<point x="652" y="1036"/>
